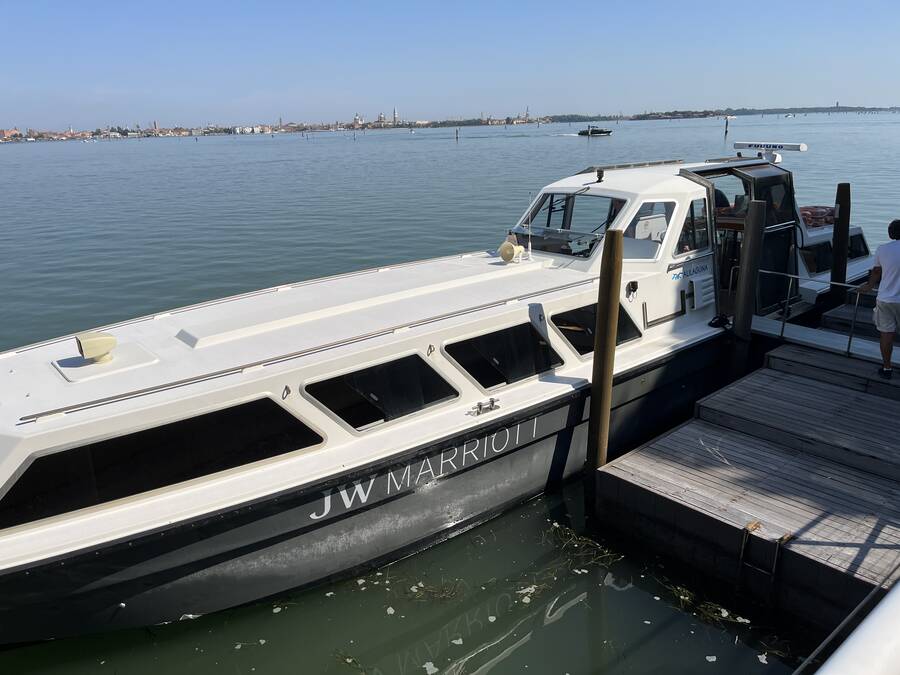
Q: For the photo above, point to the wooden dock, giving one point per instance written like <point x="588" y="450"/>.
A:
<point x="786" y="484"/>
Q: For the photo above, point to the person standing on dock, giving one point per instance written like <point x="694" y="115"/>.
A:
<point x="886" y="276"/>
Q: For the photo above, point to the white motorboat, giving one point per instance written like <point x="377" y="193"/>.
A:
<point x="193" y="460"/>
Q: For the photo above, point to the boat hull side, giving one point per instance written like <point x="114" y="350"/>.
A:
<point x="371" y="514"/>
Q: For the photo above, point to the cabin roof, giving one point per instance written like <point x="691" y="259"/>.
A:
<point x="299" y="321"/>
<point x="650" y="178"/>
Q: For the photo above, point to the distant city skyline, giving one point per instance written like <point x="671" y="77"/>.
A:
<point x="199" y="63"/>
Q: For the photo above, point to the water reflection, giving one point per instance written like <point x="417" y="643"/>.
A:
<point x="525" y="592"/>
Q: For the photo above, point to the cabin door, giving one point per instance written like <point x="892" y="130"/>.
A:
<point x="775" y="187"/>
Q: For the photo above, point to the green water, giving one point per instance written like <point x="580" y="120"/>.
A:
<point x="523" y="593"/>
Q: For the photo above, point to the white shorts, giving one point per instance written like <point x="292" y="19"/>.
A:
<point x="887" y="316"/>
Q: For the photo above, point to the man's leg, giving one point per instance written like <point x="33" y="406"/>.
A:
<point x="887" y="349"/>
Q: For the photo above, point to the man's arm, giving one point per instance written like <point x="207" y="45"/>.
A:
<point x="874" y="280"/>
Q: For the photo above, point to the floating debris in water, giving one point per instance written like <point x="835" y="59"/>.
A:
<point x="429" y="668"/>
<point x="647" y="621"/>
<point x="351" y="661"/>
<point x="762" y="659"/>
<point x="390" y="611"/>
<point x="329" y="594"/>
<point x="711" y="659"/>
<point x="492" y="619"/>
<point x="276" y="610"/>
<point x="457" y="641"/>
<point x="360" y="582"/>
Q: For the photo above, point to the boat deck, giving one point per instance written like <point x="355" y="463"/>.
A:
<point x="786" y="484"/>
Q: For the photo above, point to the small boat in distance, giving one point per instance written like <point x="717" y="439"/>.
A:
<point x="594" y="131"/>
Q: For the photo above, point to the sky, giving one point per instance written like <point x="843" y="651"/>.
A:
<point x="91" y="64"/>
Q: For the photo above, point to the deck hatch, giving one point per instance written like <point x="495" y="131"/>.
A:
<point x="146" y="460"/>
<point x="505" y="356"/>
<point x="383" y="392"/>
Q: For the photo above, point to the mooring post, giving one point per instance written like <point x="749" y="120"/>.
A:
<point x="751" y="251"/>
<point x="840" y="242"/>
<point x="605" y="347"/>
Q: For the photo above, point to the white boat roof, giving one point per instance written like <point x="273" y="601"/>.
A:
<point x="299" y="321"/>
<point x="645" y="180"/>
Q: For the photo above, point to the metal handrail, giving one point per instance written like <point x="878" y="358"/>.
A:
<point x="852" y="289"/>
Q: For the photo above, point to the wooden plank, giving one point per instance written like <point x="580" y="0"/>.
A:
<point x="795" y="518"/>
<point x="812" y="416"/>
<point x="805" y="497"/>
<point x="835" y="527"/>
<point x="833" y="368"/>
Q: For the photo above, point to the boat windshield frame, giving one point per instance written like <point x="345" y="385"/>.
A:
<point x="564" y="240"/>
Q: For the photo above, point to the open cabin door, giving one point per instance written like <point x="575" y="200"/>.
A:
<point x="775" y="186"/>
<point x="731" y="189"/>
<point x="706" y="285"/>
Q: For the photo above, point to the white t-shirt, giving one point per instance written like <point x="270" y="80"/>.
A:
<point x="887" y="257"/>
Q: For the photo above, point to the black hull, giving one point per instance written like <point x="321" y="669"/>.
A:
<point x="370" y="515"/>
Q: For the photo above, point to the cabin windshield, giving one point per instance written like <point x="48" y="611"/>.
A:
<point x="568" y="223"/>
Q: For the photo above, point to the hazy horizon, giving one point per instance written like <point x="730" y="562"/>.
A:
<point x="253" y="63"/>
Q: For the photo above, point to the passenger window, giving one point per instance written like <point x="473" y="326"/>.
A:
<point x="646" y="231"/>
<point x="128" y="465"/>
<point x="818" y="257"/>
<point x="858" y="247"/>
<point x="377" y="394"/>
<point x="577" y="325"/>
<point x="694" y="232"/>
<point x="505" y="356"/>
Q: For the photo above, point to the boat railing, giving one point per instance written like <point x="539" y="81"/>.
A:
<point x="785" y="309"/>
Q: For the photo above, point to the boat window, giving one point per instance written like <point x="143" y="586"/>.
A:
<point x="779" y="200"/>
<point x="577" y="326"/>
<point x="646" y="231"/>
<point x="858" y="246"/>
<point x="820" y="257"/>
<point x="732" y="196"/>
<point x="817" y="257"/>
<point x="568" y="223"/>
<point x="505" y="356"/>
<point x="145" y="460"/>
<point x="387" y="391"/>
<point x="695" y="231"/>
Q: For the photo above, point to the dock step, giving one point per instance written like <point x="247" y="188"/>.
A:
<point x="837" y="423"/>
<point x="816" y="533"/>
<point x="837" y="369"/>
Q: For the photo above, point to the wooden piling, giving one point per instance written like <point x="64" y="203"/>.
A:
<point x="751" y="252"/>
<point x="840" y="242"/>
<point x="605" y="331"/>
